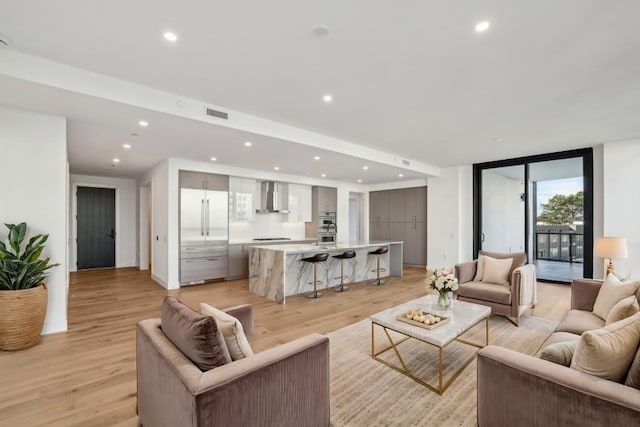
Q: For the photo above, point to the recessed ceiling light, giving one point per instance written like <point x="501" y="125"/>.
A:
<point x="316" y="158"/>
<point x="116" y="160"/>
<point x="365" y="167"/>
<point x="359" y="180"/>
<point x="400" y="175"/>
<point x="247" y="144"/>
<point x="276" y="168"/>
<point x="324" y="175"/>
<point x="143" y="123"/>
<point x="170" y="36"/>
<point x="482" y="26"/>
<point x="126" y="146"/>
<point x="213" y="159"/>
<point x="327" y="98"/>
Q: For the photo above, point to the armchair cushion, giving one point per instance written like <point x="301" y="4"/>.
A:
<point x="479" y="269"/>
<point x="195" y="335"/>
<point x="519" y="258"/>
<point x="497" y="270"/>
<point x="231" y="328"/>
<point x="486" y="292"/>
<point x="612" y="291"/>
<point x="579" y="321"/>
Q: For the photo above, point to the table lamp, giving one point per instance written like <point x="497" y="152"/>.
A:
<point x="611" y="248"/>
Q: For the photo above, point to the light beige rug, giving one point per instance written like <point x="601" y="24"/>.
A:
<point x="365" y="392"/>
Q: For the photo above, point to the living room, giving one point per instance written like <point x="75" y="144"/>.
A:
<point x="426" y="99"/>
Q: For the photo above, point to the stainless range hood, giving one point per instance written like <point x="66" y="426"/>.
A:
<point x="270" y="198"/>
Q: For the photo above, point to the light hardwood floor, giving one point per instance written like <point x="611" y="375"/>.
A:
<point x="86" y="376"/>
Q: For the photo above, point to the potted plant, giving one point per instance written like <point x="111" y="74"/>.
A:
<point x="23" y="294"/>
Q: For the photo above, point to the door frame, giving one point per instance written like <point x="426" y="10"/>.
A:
<point x="73" y="259"/>
<point x="587" y="171"/>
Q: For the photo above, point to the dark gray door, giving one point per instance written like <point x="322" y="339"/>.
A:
<point x="96" y="227"/>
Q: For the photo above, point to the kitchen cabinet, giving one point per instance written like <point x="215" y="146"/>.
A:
<point x="396" y="231"/>
<point x="415" y="204"/>
<point x="379" y="231"/>
<point x="415" y="243"/>
<point x="300" y="203"/>
<point x="326" y="199"/>
<point x="396" y="205"/>
<point x="239" y="261"/>
<point x="242" y="199"/>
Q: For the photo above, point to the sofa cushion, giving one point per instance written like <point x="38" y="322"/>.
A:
<point x="612" y="291"/>
<point x="195" y="335"/>
<point x="623" y="309"/>
<point x="479" y="269"/>
<point x="486" y="292"/>
<point x="497" y="270"/>
<point x="608" y="352"/>
<point x="231" y="328"/>
<point x="578" y="321"/>
<point x="519" y="258"/>
<point x="560" y="352"/>
<point x="633" y="376"/>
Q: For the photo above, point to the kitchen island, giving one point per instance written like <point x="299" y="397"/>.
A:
<point x="277" y="272"/>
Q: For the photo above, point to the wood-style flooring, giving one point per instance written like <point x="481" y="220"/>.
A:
<point x="86" y="376"/>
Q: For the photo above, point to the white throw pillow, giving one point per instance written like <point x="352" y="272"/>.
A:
<point x="624" y="308"/>
<point x="608" y="352"/>
<point x="232" y="331"/>
<point x="497" y="270"/>
<point x="611" y="292"/>
<point x="479" y="269"/>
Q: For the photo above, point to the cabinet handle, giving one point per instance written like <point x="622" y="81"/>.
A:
<point x="202" y="217"/>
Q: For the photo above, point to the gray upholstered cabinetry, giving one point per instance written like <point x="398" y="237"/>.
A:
<point x="401" y="215"/>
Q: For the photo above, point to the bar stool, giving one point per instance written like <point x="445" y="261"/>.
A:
<point x="345" y="255"/>
<point x="380" y="251"/>
<point x="315" y="260"/>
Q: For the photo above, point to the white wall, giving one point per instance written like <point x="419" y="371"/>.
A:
<point x="126" y="217"/>
<point x="158" y="180"/>
<point x="622" y="202"/>
<point x="34" y="165"/>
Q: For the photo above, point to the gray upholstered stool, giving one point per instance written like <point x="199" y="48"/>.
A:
<point x="315" y="260"/>
<point x="377" y="253"/>
<point x="345" y="255"/>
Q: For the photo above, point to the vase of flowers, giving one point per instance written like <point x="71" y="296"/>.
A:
<point x="442" y="280"/>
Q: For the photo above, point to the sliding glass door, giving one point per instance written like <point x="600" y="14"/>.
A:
<point x="542" y="205"/>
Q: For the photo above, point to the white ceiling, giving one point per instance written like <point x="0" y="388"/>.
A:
<point x="414" y="80"/>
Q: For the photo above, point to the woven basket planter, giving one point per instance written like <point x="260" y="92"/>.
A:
<point x="22" y="317"/>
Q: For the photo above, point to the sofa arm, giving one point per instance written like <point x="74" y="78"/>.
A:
<point x="286" y="385"/>
<point x="518" y="389"/>
<point x="244" y="313"/>
<point x="584" y="293"/>
<point x="466" y="271"/>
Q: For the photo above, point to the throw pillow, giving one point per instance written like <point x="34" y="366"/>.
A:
<point x="195" y="335"/>
<point x="623" y="309"/>
<point x="612" y="291"/>
<point x="497" y="270"/>
<point x="479" y="269"/>
<point x="232" y="330"/>
<point x="608" y="352"/>
<point x="560" y="352"/>
<point x="633" y="376"/>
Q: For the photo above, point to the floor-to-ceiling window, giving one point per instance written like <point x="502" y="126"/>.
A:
<point x="542" y="205"/>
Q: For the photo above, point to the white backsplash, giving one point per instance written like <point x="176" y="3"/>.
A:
<point x="266" y="225"/>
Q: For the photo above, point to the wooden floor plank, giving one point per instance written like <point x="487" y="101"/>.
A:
<point x="86" y="376"/>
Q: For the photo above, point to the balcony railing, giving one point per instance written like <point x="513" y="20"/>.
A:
<point x="558" y="246"/>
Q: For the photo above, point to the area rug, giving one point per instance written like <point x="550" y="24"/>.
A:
<point x="365" y="392"/>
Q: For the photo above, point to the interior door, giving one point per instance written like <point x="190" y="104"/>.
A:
<point x="192" y="220"/>
<point x="96" y="227"/>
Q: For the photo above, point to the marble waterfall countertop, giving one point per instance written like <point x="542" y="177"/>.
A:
<point x="277" y="271"/>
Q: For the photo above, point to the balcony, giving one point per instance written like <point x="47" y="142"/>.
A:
<point x="559" y="255"/>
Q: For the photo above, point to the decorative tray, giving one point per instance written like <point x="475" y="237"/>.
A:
<point x="428" y="317"/>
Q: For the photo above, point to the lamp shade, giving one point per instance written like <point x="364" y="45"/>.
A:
<point x="611" y="247"/>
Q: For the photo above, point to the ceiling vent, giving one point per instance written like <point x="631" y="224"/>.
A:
<point x="406" y="162"/>
<point x="218" y="114"/>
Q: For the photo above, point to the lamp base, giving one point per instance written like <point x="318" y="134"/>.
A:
<point x="609" y="269"/>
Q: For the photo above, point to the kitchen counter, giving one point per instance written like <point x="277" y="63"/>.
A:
<point x="277" y="271"/>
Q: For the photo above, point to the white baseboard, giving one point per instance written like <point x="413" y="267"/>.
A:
<point x="160" y="281"/>
<point x="53" y="327"/>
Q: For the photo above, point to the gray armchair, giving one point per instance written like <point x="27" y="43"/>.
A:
<point x="509" y="301"/>
<point x="287" y="385"/>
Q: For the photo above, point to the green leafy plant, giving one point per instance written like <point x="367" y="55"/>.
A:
<point x="22" y="269"/>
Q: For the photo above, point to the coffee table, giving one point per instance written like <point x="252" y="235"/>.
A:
<point x="462" y="317"/>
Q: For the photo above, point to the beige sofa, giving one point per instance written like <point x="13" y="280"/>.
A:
<point x="518" y="389"/>
<point x="286" y="385"/>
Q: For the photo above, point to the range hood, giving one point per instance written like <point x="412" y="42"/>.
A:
<point x="270" y="198"/>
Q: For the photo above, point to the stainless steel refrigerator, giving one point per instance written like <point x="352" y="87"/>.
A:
<point x="204" y="227"/>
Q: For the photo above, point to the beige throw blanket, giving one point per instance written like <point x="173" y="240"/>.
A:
<point x="528" y="284"/>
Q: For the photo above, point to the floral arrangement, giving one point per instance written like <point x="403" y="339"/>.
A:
<point x="442" y="280"/>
